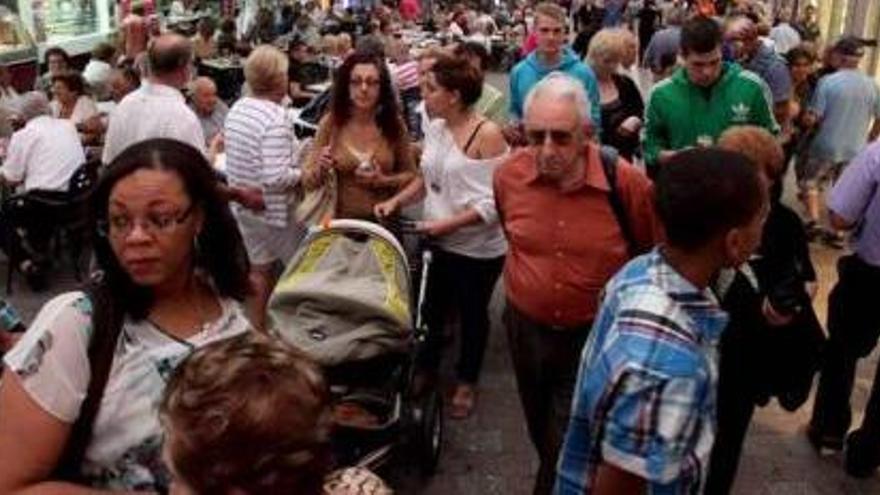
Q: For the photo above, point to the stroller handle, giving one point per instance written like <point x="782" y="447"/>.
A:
<point x="402" y="225"/>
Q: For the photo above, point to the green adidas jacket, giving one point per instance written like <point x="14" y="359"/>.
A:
<point x="680" y="114"/>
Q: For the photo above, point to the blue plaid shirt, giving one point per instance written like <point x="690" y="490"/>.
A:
<point x="645" y="395"/>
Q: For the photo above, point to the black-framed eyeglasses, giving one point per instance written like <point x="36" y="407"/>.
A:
<point x="370" y="83"/>
<point x="537" y="137"/>
<point x="153" y="224"/>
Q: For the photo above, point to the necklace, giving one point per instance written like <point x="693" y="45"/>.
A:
<point x="201" y="317"/>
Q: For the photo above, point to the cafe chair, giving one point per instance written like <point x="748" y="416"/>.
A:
<point x="45" y="223"/>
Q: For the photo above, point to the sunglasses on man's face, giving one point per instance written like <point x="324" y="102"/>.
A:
<point x="537" y="137"/>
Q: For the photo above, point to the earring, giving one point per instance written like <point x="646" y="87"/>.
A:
<point x="196" y="250"/>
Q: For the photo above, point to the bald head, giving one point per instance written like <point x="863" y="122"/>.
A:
<point x="204" y="95"/>
<point x="169" y="55"/>
<point x="742" y="33"/>
<point x="203" y="85"/>
<point x="741" y="27"/>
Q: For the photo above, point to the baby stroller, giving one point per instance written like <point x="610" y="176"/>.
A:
<point x="346" y="300"/>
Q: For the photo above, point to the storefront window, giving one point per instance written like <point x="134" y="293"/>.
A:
<point x="13" y="35"/>
<point x="58" y="20"/>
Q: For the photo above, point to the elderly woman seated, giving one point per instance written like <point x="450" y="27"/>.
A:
<point x="69" y="98"/>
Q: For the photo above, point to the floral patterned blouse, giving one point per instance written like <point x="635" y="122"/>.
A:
<point x="51" y="360"/>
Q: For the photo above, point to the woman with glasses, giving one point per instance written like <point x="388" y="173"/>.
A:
<point x="362" y="138"/>
<point x="462" y="148"/>
<point x="174" y="272"/>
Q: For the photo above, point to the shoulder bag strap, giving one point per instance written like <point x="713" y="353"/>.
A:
<point x="609" y="158"/>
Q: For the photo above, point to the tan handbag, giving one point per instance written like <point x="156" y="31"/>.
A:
<point x="317" y="205"/>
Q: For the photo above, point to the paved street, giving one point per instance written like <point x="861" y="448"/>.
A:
<point x="489" y="453"/>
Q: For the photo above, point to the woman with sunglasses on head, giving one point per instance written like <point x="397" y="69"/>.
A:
<point x="461" y="151"/>
<point x="174" y="272"/>
<point x="362" y="139"/>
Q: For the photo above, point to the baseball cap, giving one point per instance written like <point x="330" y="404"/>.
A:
<point x="850" y="46"/>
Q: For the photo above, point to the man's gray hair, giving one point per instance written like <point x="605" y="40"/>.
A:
<point x="33" y="104"/>
<point x="561" y="85"/>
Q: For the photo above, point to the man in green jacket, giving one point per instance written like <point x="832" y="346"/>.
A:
<point x="703" y="98"/>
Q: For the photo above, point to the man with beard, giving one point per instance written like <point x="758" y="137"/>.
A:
<point x="570" y="225"/>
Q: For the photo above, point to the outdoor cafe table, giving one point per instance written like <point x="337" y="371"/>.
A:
<point x="227" y="73"/>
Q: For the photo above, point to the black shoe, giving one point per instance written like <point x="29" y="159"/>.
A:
<point x="821" y="440"/>
<point x="862" y="457"/>
<point x="34" y="275"/>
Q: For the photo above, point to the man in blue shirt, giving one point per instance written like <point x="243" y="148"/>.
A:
<point x="844" y="105"/>
<point x="551" y="55"/>
<point x="755" y="56"/>
<point x="644" y="407"/>
<point x="853" y="318"/>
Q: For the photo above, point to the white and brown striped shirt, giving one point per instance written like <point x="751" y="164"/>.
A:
<point x="260" y="153"/>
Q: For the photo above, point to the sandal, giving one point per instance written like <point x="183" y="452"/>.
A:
<point x="834" y="240"/>
<point x="813" y="231"/>
<point x="463" y="401"/>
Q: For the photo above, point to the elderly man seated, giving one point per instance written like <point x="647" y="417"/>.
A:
<point x="210" y="110"/>
<point x="41" y="159"/>
<point x="44" y="154"/>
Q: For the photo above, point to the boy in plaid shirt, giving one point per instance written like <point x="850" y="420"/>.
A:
<point x="643" y="414"/>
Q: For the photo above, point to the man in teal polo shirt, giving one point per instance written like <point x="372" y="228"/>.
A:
<point x="703" y="98"/>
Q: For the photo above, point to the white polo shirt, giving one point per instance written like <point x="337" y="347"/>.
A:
<point x="44" y="154"/>
<point x="152" y="111"/>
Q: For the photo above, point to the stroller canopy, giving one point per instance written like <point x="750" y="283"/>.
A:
<point x="345" y="295"/>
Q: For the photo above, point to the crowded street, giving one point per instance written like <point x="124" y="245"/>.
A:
<point x="488" y="453"/>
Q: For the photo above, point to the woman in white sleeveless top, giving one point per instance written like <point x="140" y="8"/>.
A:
<point x="461" y="151"/>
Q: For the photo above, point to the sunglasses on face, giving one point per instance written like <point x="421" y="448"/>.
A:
<point x="537" y="137"/>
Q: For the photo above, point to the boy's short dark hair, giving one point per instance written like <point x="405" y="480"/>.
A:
<point x="703" y="193"/>
<point x="700" y="35"/>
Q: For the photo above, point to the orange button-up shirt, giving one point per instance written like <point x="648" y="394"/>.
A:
<point x="564" y="246"/>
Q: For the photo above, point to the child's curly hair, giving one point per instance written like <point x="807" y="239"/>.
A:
<point x="251" y="413"/>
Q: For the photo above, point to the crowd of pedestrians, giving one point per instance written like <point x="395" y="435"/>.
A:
<point x="657" y="284"/>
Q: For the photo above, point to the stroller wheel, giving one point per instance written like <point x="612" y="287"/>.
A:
<point x="428" y="431"/>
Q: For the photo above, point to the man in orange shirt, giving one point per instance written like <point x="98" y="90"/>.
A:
<point x="570" y="227"/>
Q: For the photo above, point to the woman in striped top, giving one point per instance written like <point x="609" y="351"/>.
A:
<point x="260" y="154"/>
<point x="363" y="138"/>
